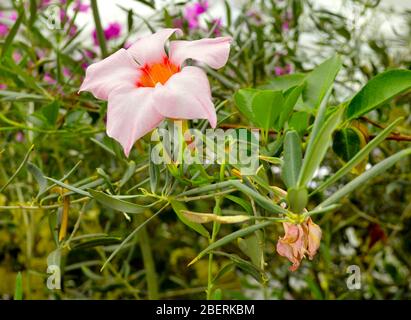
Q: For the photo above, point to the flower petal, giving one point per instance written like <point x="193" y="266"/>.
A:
<point x="114" y="71"/>
<point x="314" y="238"/>
<point x="186" y="95"/>
<point x="213" y="52"/>
<point x="150" y="48"/>
<point x="131" y="115"/>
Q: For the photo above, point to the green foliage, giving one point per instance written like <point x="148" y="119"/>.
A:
<point x="131" y="227"/>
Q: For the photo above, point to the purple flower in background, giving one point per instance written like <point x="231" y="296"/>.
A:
<point x="3" y="86"/>
<point x="285" y="26"/>
<point x="13" y="16"/>
<point x="16" y="57"/>
<point x="81" y="7"/>
<point x="19" y="136"/>
<point x="201" y="7"/>
<point x="66" y="72"/>
<point x="113" y="31"/>
<point x="279" y="71"/>
<point x="49" y="79"/>
<point x="178" y="23"/>
<point x="218" y="25"/>
<point x="193" y="12"/>
<point x="4" y="29"/>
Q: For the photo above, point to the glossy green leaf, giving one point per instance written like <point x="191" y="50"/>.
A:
<point x="320" y="144"/>
<point x="285" y="82"/>
<point x="346" y="143"/>
<point x="378" y="91"/>
<point x="320" y="80"/>
<point x="292" y="158"/>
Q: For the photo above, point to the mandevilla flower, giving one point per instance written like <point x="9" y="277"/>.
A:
<point x="299" y="240"/>
<point x="144" y="85"/>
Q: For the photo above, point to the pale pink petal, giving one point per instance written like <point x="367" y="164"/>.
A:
<point x="213" y="52"/>
<point x="114" y="71"/>
<point x="314" y="237"/>
<point x="131" y="115"/>
<point x="186" y="95"/>
<point x="150" y="49"/>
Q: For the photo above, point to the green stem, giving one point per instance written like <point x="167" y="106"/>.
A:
<point x="99" y="28"/>
<point x="149" y="265"/>
<point x="216" y="228"/>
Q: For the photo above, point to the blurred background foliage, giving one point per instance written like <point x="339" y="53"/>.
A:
<point x="40" y="73"/>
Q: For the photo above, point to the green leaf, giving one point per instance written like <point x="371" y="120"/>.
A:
<point x="299" y="121"/>
<point x="267" y="107"/>
<point x="291" y="97"/>
<point x="359" y="156"/>
<point x="292" y="158"/>
<point x="232" y="236"/>
<point x="241" y="202"/>
<point x="285" y="82"/>
<point x="244" y="101"/>
<point x="51" y="112"/>
<point x="320" y="80"/>
<point x="262" y="107"/>
<point x="246" y="266"/>
<point x="94" y="242"/>
<point x="12" y="33"/>
<point x="379" y="90"/>
<point x="367" y="175"/>
<point x="18" y="291"/>
<point x="116" y="204"/>
<point x="346" y="143"/>
<point x="319" y="148"/>
<point x="178" y="208"/>
<point x="39" y="176"/>
<point x="250" y="246"/>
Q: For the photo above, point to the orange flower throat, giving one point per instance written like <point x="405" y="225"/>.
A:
<point x="156" y="73"/>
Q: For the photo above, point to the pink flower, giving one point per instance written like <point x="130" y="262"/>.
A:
<point x="49" y="79"/>
<point x="3" y="86"/>
<point x="218" y="26"/>
<point x="19" y="136"/>
<point x="66" y="72"/>
<point x="299" y="240"/>
<point x="16" y="56"/>
<point x="279" y="71"/>
<point x="193" y="12"/>
<point x="285" y="26"/>
<point x="81" y="7"/>
<point x="13" y="16"/>
<point x="3" y="30"/>
<point x="144" y="85"/>
<point x="113" y="31"/>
